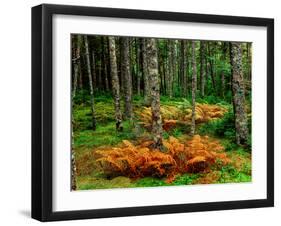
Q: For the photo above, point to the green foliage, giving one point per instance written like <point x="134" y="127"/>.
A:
<point x="185" y="179"/>
<point x="224" y="127"/>
<point x="176" y="132"/>
<point x="81" y="97"/>
<point x="184" y="104"/>
<point x="150" y="182"/>
<point x="229" y="174"/>
<point x="104" y="135"/>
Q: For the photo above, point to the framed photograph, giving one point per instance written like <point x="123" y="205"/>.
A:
<point x="146" y="112"/>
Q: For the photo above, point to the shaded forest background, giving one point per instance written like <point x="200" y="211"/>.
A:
<point x="153" y="90"/>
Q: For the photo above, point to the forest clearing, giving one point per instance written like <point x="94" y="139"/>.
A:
<point x="158" y="112"/>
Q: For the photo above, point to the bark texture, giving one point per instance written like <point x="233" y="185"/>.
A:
<point x="170" y="68"/>
<point x="155" y="93"/>
<point x="125" y="70"/>
<point x="202" y="70"/>
<point x="75" y="61"/>
<point x="90" y="82"/>
<point x="138" y="54"/>
<point x="146" y="79"/>
<point x="194" y="88"/>
<point x="115" y="83"/>
<point x="105" y="62"/>
<point x="94" y="70"/>
<point x="241" y="124"/>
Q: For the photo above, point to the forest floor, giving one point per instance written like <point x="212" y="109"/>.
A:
<point x="86" y="142"/>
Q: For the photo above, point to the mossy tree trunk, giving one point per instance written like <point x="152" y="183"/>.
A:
<point x="241" y="124"/>
<point x="155" y="92"/>
<point x="125" y="70"/>
<point x="115" y="83"/>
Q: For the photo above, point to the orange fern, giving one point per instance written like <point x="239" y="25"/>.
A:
<point x="196" y="155"/>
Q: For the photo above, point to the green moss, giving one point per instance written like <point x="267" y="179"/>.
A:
<point x="150" y="182"/>
<point x="104" y="135"/>
<point x="229" y="174"/>
<point x="185" y="179"/>
<point x="86" y="183"/>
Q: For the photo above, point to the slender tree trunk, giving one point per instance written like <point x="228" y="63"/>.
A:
<point x="174" y="64"/>
<point x="222" y="84"/>
<point x="155" y="93"/>
<point x="80" y="77"/>
<point x="184" y="69"/>
<point x="105" y="63"/>
<point x="202" y="70"/>
<point x="118" y="61"/>
<point x="241" y="124"/>
<point x="161" y="73"/>
<point x="76" y="58"/>
<point x="194" y="83"/>
<point x="147" y="94"/>
<point x="90" y="82"/>
<point x="115" y="84"/>
<point x="170" y="68"/>
<point x="188" y="64"/>
<point x="138" y="56"/>
<point x="210" y="53"/>
<point x="94" y="70"/>
<point x="125" y="70"/>
<point x="223" y="58"/>
<point x="99" y="79"/>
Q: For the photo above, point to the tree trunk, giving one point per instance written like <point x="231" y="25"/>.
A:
<point x="184" y="68"/>
<point x="202" y="70"/>
<point x="125" y="70"/>
<point x="105" y="63"/>
<point x="147" y="94"/>
<point x="90" y="82"/>
<point x="75" y="60"/>
<point x="194" y="83"/>
<point x="100" y="86"/>
<point x="170" y="68"/>
<point x="138" y="52"/>
<point x="94" y="70"/>
<point x="80" y="77"/>
<point x="115" y="83"/>
<point x="223" y="58"/>
<point x="155" y="93"/>
<point x="210" y="53"/>
<point x="241" y="124"/>
<point x="174" y="64"/>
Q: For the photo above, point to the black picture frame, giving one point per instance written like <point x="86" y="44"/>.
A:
<point x="42" y="83"/>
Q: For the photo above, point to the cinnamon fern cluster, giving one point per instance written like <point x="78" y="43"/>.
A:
<point x="173" y="115"/>
<point x="135" y="161"/>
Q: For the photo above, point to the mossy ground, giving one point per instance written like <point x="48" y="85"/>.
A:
<point x="86" y="140"/>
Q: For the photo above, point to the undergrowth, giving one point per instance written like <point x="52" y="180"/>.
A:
<point x="184" y="165"/>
